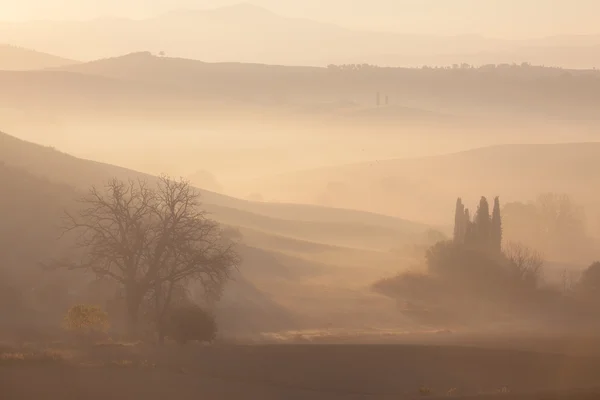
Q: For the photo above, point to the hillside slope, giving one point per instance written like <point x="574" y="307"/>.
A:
<point x="31" y="210"/>
<point x="295" y="256"/>
<point x="14" y="58"/>
<point x="414" y="93"/>
<point x="304" y="221"/>
<point x="426" y="188"/>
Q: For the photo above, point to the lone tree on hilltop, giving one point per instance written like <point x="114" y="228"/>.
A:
<point x="152" y="240"/>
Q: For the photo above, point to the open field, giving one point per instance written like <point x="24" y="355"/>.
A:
<point x="298" y="372"/>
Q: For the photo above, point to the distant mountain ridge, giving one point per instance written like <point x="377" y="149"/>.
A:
<point x="247" y="33"/>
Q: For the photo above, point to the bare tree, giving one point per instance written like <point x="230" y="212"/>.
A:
<point x="526" y="262"/>
<point x="152" y="241"/>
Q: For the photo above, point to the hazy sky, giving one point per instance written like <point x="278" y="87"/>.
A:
<point x="501" y="18"/>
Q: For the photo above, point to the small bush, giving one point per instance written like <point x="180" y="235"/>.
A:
<point x="191" y="323"/>
<point x="425" y="391"/>
<point x="84" y="319"/>
<point x="589" y="283"/>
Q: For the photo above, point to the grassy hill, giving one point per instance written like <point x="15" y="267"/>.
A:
<point x="18" y="58"/>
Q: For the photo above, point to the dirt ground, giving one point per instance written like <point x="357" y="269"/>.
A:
<point x="231" y="372"/>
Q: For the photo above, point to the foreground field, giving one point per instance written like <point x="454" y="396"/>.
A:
<point x="298" y="372"/>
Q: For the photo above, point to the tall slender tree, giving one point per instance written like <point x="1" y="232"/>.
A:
<point x="469" y="231"/>
<point x="483" y="223"/>
<point x="459" y="222"/>
<point x="496" y="230"/>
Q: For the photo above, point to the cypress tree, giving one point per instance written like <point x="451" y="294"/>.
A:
<point x="496" y="233"/>
<point x="469" y="237"/>
<point x="459" y="222"/>
<point x="483" y="223"/>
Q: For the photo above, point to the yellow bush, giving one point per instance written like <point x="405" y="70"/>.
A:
<point x="84" y="318"/>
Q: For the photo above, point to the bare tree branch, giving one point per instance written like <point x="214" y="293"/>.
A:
<point x="526" y="263"/>
<point x="150" y="240"/>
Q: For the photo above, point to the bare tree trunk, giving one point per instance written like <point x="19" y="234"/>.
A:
<point x="134" y="301"/>
<point x="165" y="294"/>
<point x="158" y="321"/>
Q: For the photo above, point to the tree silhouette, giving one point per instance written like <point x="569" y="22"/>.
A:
<point x="460" y="224"/>
<point x="469" y="228"/>
<point x="482" y="223"/>
<point x="150" y="240"/>
<point x="496" y="230"/>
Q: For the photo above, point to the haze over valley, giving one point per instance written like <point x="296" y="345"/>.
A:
<point x="203" y="192"/>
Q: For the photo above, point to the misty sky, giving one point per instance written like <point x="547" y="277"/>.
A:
<point x="500" y="18"/>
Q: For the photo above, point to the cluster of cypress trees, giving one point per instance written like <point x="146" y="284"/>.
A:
<point x="483" y="231"/>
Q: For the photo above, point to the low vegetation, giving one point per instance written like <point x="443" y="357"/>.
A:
<point x="476" y="280"/>
<point x="187" y="323"/>
<point x="86" y="320"/>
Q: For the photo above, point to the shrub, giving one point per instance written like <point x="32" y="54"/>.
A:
<point x="191" y="322"/>
<point x="425" y="391"/>
<point x="588" y="287"/>
<point x="469" y="284"/>
<point x="84" y="319"/>
<point x="525" y="264"/>
<point x="590" y="279"/>
<point x="466" y="267"/>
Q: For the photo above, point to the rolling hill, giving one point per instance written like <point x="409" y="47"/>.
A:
<point x="173" y="93"/>
<point x="14" y="58"/>
<point x="30" y="209"/>
<point x="287" y="247"/>
<point x="426" y="188"/>
<point x="430" y="94"/>
<point x="59" y="167"/>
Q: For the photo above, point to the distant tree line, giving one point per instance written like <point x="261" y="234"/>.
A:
<point x="366" y="67"/>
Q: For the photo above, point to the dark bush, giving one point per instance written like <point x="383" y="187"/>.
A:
<point x="589" y="283"/>
<point x="466" y="267"/>
<point x="469" y="284"/>
<point x="191" y="322"/>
